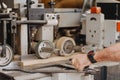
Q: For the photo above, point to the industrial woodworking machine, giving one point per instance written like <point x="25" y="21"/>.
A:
<point x="31" y="28"/>
<point x="28" y="27"/>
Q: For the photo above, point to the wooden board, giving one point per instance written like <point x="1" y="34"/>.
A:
<point x="31" y="61"/>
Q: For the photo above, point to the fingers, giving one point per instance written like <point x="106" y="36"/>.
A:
<point x="76" y="64"/>
<point x="80" y="61"/>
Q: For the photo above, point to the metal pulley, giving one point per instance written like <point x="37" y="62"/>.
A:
<point x="5" y="56"/>
<point x="66" y="46"/>
<point x="44" y="49"/>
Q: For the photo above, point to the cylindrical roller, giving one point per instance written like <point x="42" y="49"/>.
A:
<point x="44" y="49"/>
<point x="6" y="58"/>
<point x="66" y="46"/>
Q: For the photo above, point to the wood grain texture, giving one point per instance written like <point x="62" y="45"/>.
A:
<point x="31" y="61"/>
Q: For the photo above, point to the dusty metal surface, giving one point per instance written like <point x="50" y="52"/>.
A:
<point x="108" y="71"/>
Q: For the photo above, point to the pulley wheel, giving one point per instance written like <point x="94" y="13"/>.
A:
<point x="44" y="49"/>
<point x="65" y="45"/>
<point x="6" y="58"/>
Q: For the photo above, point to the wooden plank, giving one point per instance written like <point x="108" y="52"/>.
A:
<point x="31" y="61"/>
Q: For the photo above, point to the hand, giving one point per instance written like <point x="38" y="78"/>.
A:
<point x="80" y="61"/>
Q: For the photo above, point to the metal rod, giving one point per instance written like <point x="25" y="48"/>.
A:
<point x="29" y="33"/>
<point x="4" y="37"/>
<point x="28" y="7"/>
<point x="32" y="22"/>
